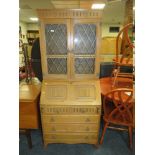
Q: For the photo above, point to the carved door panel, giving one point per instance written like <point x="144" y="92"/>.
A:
<point x="55" y="48"/>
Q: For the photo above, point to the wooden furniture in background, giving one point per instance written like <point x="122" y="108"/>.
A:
<point x="28" y="108"/>
<point x="70" y="96"/>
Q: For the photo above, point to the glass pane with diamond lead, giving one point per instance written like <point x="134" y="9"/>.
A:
<point x="56" y="39"/>
<point x="84" y="65"/>
<point x="57" y="65"/>
<point x="84" y="38"/>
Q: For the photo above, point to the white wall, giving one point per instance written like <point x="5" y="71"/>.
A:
<point x="105" y="30"/>
<point x="32" y="26"/>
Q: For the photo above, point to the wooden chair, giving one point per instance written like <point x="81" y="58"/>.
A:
<point x="119" y="111"/>
<point x="124" y="56"/>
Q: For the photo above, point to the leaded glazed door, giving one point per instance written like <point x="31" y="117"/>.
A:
<point x="55" y="47"/>
<point x="84" y="58"/>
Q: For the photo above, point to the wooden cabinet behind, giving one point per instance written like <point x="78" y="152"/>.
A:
<point x="70" y="98"/>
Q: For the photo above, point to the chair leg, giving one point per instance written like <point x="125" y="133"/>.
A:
<point x="103" y="132"/>
<point x="130" y="137"/>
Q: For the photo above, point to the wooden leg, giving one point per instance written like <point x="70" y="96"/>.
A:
<point x="130" y="137"/>
<point x="45" y="145"/>
<point x="103" y="132"/>
<point x="28" y="135"/>
<point x="96" y="145"/>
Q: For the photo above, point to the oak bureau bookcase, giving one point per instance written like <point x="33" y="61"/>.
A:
<point x="70" y="96"/>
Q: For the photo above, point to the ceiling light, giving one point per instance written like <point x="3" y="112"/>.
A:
<point x="98" y="6"/>
<point x="34" y="19"/>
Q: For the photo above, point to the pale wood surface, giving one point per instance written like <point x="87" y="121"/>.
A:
<point x="28" y="106"/>
<point x="71" y="93"/>
<point x="71" y="138"/>
<point x="28" y="92"/>
<point x="86" y="139"/>
<point x="63" y="13"/>
<point x="51" y="128"/>
<point x="71" y="119"/>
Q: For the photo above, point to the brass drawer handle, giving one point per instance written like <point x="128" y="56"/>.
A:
<point x="87" y="129"/>
<point x="53" y="129"/>
<point x="93" y="137"/>
<point x="82" y="111"/>
<point x="87" y="120"/>
<point x="86" y="137"/>
<point x="53" y="137"/>
<point x="98" y="110"/>
<point x="52" y="120"/>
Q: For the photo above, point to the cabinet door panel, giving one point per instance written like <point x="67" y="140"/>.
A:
<point x="85" y="48"/>
<point x="55" y="45"/>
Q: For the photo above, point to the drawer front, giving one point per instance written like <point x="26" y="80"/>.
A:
<point x="71" y="141"/>
<point x="70" y="119"/>
<point x="72" y="110"/>
<point x="51" y="128"/>
<point x="71" y="136"/>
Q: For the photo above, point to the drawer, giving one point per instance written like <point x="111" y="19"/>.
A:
<point x="51" y="128"/>
<point x="71" y="136"/>
<point x="70" y="119"/>
<point x="71" y="141"/>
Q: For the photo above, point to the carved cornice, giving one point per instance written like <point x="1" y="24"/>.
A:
<point x="77" y="13"/>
